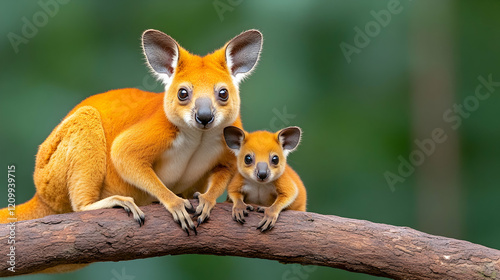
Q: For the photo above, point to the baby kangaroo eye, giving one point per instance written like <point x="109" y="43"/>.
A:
<point x="248" y="159"/>
<point x="275" y="160"/>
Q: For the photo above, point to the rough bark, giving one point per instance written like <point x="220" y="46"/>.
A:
<point x="299" y="237"/>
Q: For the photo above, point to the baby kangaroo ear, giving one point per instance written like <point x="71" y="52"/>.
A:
<point x="289" y="138"/>
<point x="234" y="138"/>
<point x="242" y="54"/>
<point x="162" y="54"/>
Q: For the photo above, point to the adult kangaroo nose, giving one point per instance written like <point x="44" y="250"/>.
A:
<point x="262" y="170"/>
<point x="204" y="114"/>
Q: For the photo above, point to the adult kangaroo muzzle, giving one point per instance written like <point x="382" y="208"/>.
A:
<point x="204" y="111"/>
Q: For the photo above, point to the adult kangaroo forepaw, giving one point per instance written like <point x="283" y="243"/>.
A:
<point x="179" y="210"/>
<point x="204" y="207"/>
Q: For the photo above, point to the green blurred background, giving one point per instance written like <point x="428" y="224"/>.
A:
<point x="358" y="116"/>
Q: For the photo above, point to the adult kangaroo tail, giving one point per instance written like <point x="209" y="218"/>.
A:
<point x="32" y="209"/>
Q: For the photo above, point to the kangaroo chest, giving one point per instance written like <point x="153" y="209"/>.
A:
<point x="190" y="157"/>
<point x="260" y="194"/>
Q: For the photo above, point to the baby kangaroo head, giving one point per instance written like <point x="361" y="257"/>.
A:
<point x="201" y="92"/>
<point x="261" y="155"/>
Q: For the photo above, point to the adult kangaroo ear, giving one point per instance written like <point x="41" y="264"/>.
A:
<point x="162" y="54"/>
<point x="242" y="54"/>
<point x="289" y="138"/>
<point x="234" y="138"/>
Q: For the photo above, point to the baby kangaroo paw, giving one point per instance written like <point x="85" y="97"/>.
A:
<point x="269" y="220"/>
<point x="240" y="210"/>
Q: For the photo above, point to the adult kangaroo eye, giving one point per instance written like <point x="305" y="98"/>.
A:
<point x="183" y="94"/>
<point x="275" y="160"/>
<point x="248" y="159"/>
<point x="223" y="94"/>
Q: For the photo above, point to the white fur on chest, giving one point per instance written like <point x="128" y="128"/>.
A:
<point x="192" y="155"/>
<point x="260" y="194"/>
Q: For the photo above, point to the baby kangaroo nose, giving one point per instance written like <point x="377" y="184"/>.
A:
<point x="204" y="114"/>
<point x="262" y="170"/>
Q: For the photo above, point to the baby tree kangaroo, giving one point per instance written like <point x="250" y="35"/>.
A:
<point x="264" y="177"/>
<point x="129" y="147"/>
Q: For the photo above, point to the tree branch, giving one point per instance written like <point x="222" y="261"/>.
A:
<point x="305" y="238"/>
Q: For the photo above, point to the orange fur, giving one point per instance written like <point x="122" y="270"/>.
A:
<point x="282" y="188"/>
<point x="125" y="147"/>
